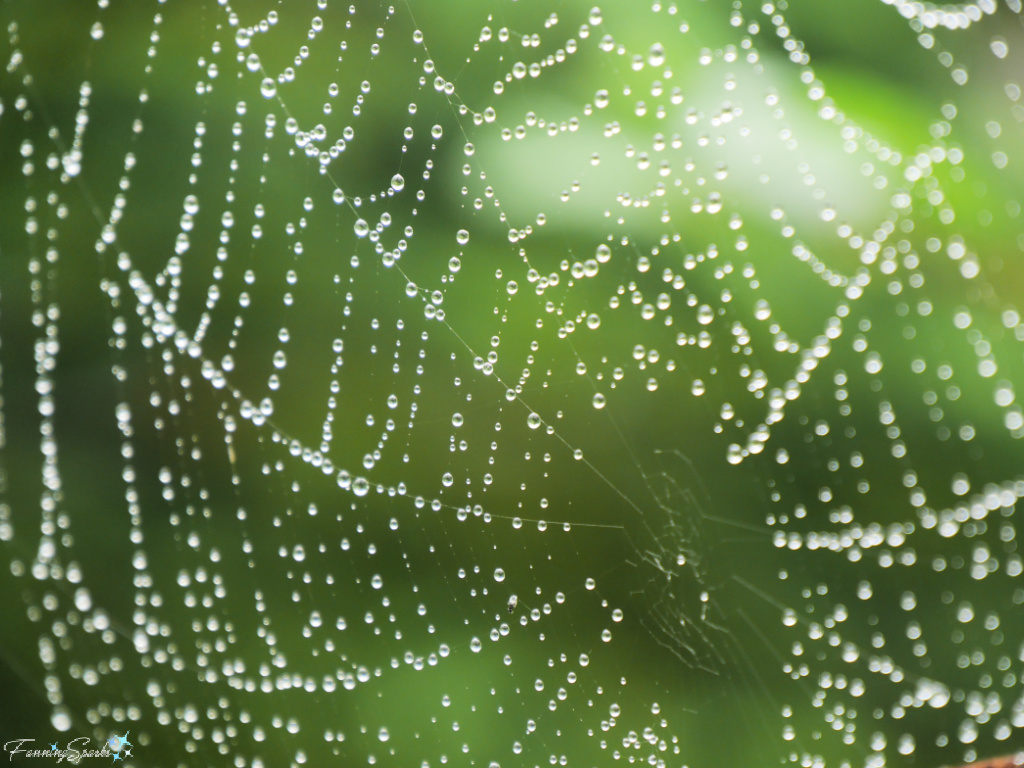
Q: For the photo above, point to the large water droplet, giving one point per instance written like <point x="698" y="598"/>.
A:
<point x="61" y="718"/>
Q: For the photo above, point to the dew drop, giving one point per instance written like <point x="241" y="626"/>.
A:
<point x="61" y="718"/>
<point x="656" y="56"/>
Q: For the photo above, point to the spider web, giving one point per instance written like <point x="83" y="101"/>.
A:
<point x="511" y="385"/>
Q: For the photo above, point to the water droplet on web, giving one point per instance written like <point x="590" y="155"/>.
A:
<point x="475" y="645"/>
<point x="533" y="420"/>
<point x="932" y="692"/>
<point x="598" y="401"/>
<point x="906" y="745"/>
<point x="462" y="237"/>
<point x="60" y="718"/>
<point x="361" y="228"/>
<point x="360" y="486"/>
<point x="268" y="88"/>
<point x="83" y="600"/>
<point x="397" y="182"/>
<point x="499" y="574"/>
<point x="735" y="453"/>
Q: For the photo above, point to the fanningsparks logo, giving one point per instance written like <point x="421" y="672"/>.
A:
<point x="117" y="747"/>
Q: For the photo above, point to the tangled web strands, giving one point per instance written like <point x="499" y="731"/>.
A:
<point x="493" y="384"/>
